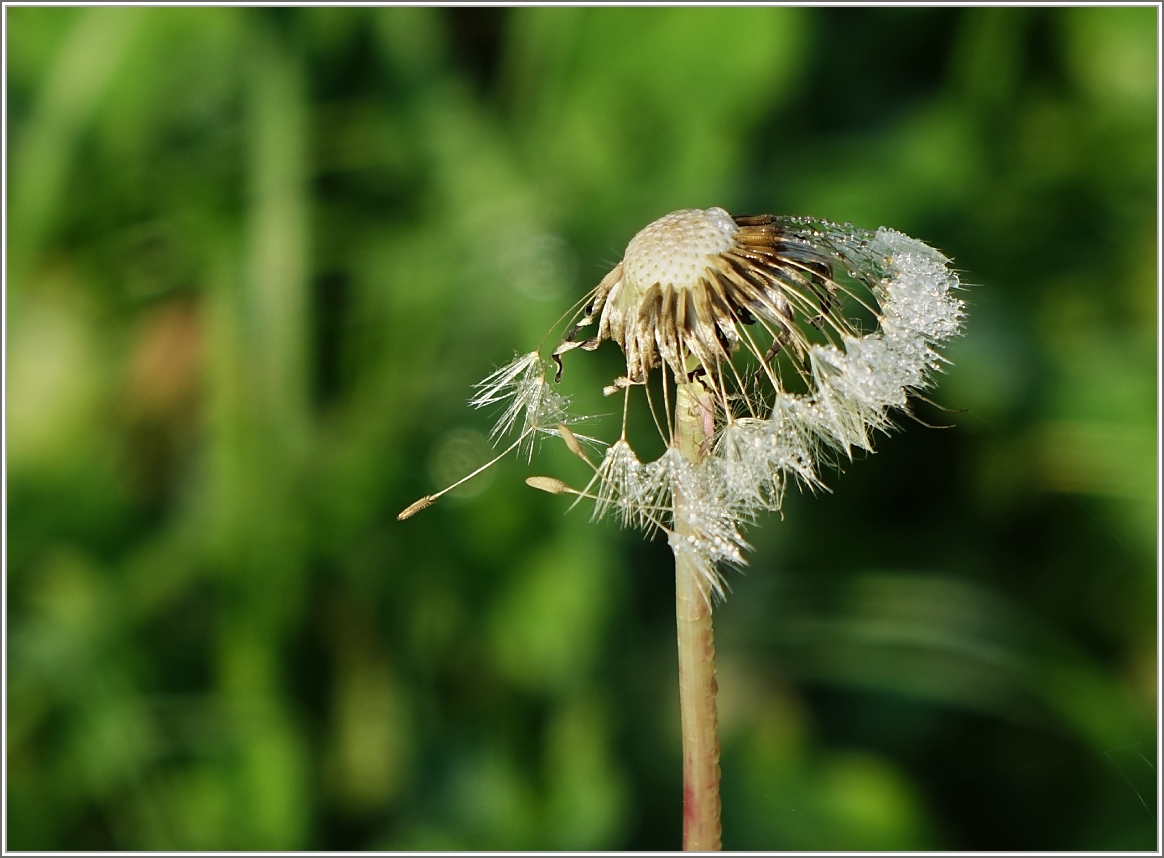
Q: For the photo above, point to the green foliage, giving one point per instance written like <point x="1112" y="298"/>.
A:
<point x="256" y="259"/>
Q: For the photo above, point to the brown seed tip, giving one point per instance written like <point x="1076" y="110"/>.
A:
<point x="547" y="484"/>
<point x="411" y="510"/>
<point x="572" y="442"/>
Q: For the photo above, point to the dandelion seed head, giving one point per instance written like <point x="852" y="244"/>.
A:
<point x="785" y="344"/>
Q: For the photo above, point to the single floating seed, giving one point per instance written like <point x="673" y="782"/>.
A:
<point x="547" y="484"/>
<point x="572" y="443"/>
<point x="411" y="510"/>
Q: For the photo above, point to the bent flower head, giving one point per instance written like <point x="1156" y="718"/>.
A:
<point x="764" y="347"/>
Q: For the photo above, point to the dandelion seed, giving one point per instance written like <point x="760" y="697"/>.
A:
<point x="505" y="382"/>
<point x="415" y="507"/>
<point x="522" y="383"/>
<point x="621" y="485"/>
<point x="571" y="441"/>
<point x="752" y="466"/>
<point x="547" y="484"/>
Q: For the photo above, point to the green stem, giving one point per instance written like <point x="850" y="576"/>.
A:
<point x="697" y="686"/>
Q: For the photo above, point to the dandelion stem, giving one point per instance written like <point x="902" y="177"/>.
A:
<point x="697" y="686"/>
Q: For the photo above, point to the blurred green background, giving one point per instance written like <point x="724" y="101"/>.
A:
<point x="256" y="260"/>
